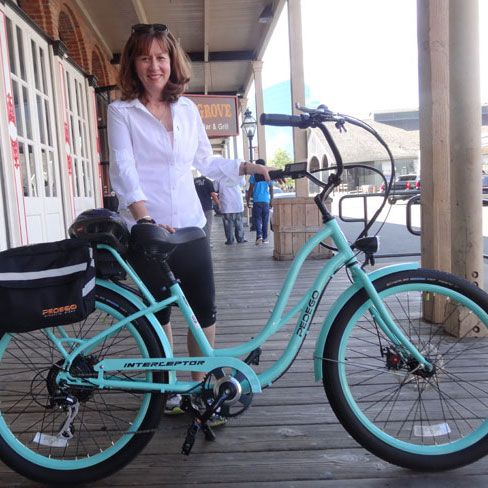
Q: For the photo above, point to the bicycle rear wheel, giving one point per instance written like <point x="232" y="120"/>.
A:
<point x="33" y="409"/>
<point x="416" y="419"/>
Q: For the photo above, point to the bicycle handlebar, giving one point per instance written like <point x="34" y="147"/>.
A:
<point x="312" y="118"/>
<point x="316" y="118"/>
<point x="294" y="170"/>
<point x="282" y="120"/>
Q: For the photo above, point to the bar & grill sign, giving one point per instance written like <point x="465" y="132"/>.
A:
<point x="219" y="114"/>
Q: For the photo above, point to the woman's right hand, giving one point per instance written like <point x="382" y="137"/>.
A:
<point x="259" y="169"/>
<point x="247" y="168"/>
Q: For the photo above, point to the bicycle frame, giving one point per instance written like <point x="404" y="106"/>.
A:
<point x="227" y="357"/>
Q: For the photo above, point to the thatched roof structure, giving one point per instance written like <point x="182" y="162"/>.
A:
<point x="357" y="145"/>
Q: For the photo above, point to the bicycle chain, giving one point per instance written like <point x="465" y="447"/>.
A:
<point x="151" y="431"/>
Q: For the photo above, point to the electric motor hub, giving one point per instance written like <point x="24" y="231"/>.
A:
<point x="230" y="386"/>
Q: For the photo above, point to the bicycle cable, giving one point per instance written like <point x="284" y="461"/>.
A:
<point x="378" y="211"/>
<point x="340" y="120"/>
<point x="377" y="136"/>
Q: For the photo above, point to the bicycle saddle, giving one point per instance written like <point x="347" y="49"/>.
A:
<point x="156" y="241"/>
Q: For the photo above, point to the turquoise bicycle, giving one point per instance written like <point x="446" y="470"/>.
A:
<point x="401" y="355"/>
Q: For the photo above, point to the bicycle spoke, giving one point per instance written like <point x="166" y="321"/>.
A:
<point x="36" y="409"/>
<point x="422" y="407"/>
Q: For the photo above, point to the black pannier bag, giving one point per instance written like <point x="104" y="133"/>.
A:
<point x="44" y="285"/>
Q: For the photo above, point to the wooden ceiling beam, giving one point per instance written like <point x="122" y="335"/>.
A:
<point x="140" y="11"/>
<point x="217" y="56"/>
<point x="206" y="20"/>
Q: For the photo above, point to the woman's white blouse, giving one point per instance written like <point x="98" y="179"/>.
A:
<point x="144" y="165"/>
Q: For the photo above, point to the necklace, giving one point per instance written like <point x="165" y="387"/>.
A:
<point x="162" y="113"/>
<point x="158" y="112"/>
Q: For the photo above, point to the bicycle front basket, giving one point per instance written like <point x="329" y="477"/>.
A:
<point x="44" y="285"/>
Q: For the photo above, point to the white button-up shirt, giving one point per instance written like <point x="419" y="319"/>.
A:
<point x="144" y="165"/>
<point x="231" y="198"/>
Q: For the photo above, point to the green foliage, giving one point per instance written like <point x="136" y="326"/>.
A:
<point x="280" y="159"/>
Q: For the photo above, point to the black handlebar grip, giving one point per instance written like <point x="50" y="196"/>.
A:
<point x="274" y="175"/>
<point x="282" y="120"/>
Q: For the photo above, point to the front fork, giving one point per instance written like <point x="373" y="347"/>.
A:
<point x="383" y="318"/>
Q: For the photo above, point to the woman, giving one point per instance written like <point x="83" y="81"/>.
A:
<point x="156" y="136"/>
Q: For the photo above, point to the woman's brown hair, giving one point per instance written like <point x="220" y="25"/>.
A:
<point x="139" y="43"/>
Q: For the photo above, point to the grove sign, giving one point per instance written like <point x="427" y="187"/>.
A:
<point x="219" y="114"/>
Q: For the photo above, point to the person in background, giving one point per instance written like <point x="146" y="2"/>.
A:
<point x="232" y="205"/>
<point x="155" y="137"/>
<point x="262" y="197"/>
<point x="206" y="193"/>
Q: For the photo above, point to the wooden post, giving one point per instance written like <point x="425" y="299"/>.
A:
<point x="465" y="150"/>
<point x="257" y="68"/>
<point x="295" y="220"/>
<point x="433" y="59"/>
<point x="297" y="85"/>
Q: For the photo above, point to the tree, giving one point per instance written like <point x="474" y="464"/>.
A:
<point x="279" y="160"/>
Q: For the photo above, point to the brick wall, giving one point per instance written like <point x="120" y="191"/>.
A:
<point x="61" y="19"/>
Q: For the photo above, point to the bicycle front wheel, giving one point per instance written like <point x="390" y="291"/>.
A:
<point x="424" y="420"/>
<point x="44" y="438"/>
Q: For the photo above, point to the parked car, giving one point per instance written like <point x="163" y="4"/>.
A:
<point x="404" y="187"/>
<point x="484" y="188"/>
<point x="484" y="183"/>
<point x="411" y="187"/>
<point x="279" y="193"/>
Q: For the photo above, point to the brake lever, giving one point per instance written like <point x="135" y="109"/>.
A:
<point x="369" y="259"/>
<point x="321" y="109"/>
<point x="341" y="125"/>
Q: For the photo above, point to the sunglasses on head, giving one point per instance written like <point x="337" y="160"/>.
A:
<point x="146" y="28"/>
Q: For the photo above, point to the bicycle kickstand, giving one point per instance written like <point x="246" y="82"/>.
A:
<point x="200" y="423"/>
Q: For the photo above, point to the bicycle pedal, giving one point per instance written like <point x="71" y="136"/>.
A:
<point x="191" y="435"/>
<point x="209" y="433"/>
<point x="253" y="357"/>
<point x="186" y="405"/>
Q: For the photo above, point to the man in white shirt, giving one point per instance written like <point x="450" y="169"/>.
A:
<point x="232" y="205"/>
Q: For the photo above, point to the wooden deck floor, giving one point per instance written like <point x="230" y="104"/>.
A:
<point x="290" y="436"/>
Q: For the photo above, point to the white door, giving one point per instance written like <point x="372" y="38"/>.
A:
<point x="31" y="80"/>
<point x="79" y="135"/>
<point x="3" y="228"/>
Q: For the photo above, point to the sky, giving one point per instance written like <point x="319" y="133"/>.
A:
<point x="359" y="56"/>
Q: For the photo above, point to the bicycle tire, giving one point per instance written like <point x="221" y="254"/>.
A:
<point x="101" y="442"/>
<point x="423" y="421"/>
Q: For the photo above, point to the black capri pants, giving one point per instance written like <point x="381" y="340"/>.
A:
<point x="191" y="264"/>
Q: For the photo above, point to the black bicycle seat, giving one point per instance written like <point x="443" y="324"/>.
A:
<point x="153" y="240"/>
